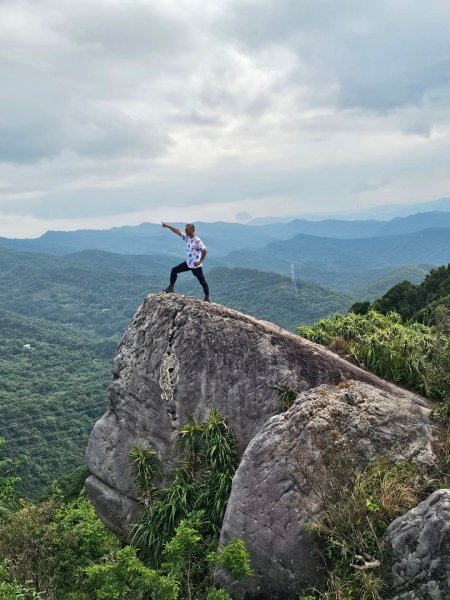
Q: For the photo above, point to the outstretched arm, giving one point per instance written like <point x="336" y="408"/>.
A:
<point x="174" y="229"/>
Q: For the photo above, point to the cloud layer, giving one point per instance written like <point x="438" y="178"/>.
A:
<point x="114" y="111"/>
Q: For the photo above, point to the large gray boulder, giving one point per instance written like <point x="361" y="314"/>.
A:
<point x="284" y="476"/>
<point x="416" y="560"/>
<point x="179" y="358"/>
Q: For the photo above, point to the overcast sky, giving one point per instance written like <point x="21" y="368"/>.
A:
<point x="121" y="111"/>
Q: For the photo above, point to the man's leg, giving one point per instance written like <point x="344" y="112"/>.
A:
<point x="200" y="276"/>
<point x="173" y="275"/>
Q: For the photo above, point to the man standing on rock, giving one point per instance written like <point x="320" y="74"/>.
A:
<point x="195" y="255"/>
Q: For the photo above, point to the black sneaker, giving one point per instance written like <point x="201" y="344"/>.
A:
<point x="169" y="290"/>
<point x="207" y="299"/>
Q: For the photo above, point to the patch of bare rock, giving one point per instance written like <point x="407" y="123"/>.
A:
<point x="417" y="551"/>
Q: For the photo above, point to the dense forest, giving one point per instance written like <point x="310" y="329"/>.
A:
<point x="53" y="389"/>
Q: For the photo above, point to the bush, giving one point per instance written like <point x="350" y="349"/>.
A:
<point x="125" y="577"/>
<point x="234" y="558"/>
<point x="49" y="545"/>
<point x="412" y="354"/>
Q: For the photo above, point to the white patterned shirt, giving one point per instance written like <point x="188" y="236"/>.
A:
<point x="194" y="247"/>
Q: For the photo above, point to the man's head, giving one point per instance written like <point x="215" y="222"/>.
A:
<point x="190" y="230"/>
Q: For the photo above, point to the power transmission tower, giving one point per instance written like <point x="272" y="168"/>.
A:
<point x="294" y="283"/>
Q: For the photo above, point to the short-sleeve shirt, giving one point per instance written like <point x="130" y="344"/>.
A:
<point x="194" y="247"/>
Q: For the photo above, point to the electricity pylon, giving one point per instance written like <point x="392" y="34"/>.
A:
<point x="294" y="283"/>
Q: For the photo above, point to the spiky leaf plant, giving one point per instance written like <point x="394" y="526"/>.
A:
<point x="201" y="484"/>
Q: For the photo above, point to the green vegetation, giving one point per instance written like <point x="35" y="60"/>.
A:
<point x="412" y="347"/>
<point x="58" y="548"/>
<point x="287" y="397"/>
<point x="94" y="291"/>
<point x="412" y="354"/>
<point x="50" y="395"/>
<point x="180" y="524"/>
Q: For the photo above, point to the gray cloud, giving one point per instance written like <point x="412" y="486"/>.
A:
<point x="380" y="55"/>
<point x="109" y="108"/>
<point x="126" y="31"/>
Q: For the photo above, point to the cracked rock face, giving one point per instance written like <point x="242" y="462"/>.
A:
<point x="284" y="471"/>
<point x="211" y="356"/>
<point x="417" y="551"/>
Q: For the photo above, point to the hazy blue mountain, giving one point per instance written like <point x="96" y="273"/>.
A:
<point x="401" y="210"/>
<point x="346" y="264"/>
<point x="344" y="229"/>
<point x="151" y="238"/>
<point x="221" y="238"/>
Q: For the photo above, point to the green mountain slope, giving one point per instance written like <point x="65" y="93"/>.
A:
<point x="50" y="395"/>
<point x="270" y="296"/>
<point x="100" y="291"/>
<point x="418" y="302"/>
<point x="95" y="291"/>
<point x="346" y="264"/>
<point x="378" y="287"/>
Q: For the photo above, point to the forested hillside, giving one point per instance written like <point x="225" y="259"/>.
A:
<point x="418" y="302"/>
<point x="95" y="291"/>
<point x="100" y="291"/>
<point x="53" y="389"/>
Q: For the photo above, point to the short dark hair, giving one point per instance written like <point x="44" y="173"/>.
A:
<point x="190" y="225"/>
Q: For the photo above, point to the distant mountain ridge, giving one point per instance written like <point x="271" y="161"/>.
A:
<point x="220" y="237"/>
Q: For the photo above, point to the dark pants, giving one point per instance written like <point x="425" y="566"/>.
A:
<point x="198" y="272"/>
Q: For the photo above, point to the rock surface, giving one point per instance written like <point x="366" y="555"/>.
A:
<point x="286" y="468"/>
<point x="225" y="358"/>
<point x="417" y="551"/>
